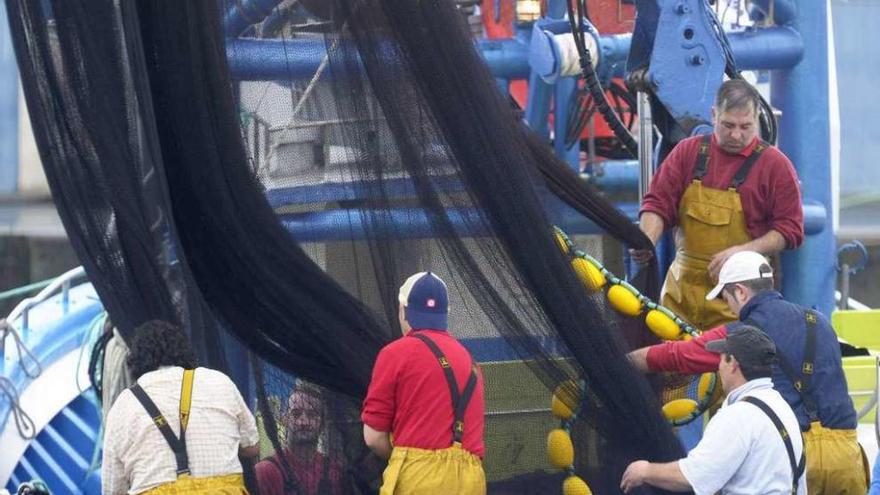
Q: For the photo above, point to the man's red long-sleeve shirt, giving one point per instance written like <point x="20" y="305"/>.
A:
<point x="686" y="358"/>
<point x="770" y="195"/>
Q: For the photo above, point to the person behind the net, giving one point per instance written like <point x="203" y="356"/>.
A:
<point x="752" y="445"/>
<point x="426" y="393"/>
<point x="180" y="428"/>
<point x="724" y="193"/>
<point x="302" y="468"/>
<point x="809" y="372"/>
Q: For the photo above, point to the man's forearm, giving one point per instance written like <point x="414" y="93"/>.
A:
<point x="382" y="447"/>
<point x="652" y="225"/>
<point x="768" y="244"/>
<point x="667" y="476"/>
<point x="639" y="359"/>
<point x="378" y="441"/>
<point x="249" y="452"/>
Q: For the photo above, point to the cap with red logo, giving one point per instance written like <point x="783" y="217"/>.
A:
<point x="425" y="300"/>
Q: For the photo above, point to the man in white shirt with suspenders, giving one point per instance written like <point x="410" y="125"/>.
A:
<point x="753" y="444"/>
<point x="179" y="428"/>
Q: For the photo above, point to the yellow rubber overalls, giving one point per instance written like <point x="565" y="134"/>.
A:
<point x="232" y="484"/>
<point x="413" y="471"/>
<point x="709" y="221"/>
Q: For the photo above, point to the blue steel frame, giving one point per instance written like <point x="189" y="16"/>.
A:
<point x="677" y="41"/>
<point x="801" y="93"/>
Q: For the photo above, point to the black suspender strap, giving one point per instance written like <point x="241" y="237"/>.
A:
<point x="801" y="380"/>
<point x="741" y="174"/>
<point x="747" y="165"/>
<point x="178" y="445"/>
<point x="463" y="401"/>
<point x="797" y="467"/>
<point x="703" y="157"/>
<point x="444" y="364"/>
<point x="811" y="319"/>
<point x="459" y="400"/>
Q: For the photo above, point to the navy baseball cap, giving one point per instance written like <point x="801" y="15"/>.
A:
<point x="425" y="300"/>
<point x="748" y="344"/>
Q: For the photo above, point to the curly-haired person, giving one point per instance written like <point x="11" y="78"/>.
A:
<point x="180" y="428"/>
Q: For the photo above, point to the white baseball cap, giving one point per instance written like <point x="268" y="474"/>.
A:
<point x="744" y="265"/>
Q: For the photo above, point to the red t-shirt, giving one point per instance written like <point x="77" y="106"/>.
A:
<point x="409" y="396"/>
<point x="307" y="476"/>
<point x="770" y="195"/>
<point x="687" y="357"/>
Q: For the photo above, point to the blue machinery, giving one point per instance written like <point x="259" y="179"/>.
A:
<point x="677" y="41"/>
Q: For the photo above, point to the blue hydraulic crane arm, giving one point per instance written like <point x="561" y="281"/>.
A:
<point x="684" y="53"/>
<point x="684" y="59"/>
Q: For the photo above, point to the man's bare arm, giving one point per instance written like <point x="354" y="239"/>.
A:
<point x="247" y="452"/>
<point x="667" y="476"/>
<point x="378" y="441"/>
<point x="653" y="226"/>
<point x="639" y="359"/>
<point x="768" y="244"/>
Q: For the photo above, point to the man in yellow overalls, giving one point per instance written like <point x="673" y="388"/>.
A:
<point x="726" y="193"/>
<point x="426" y="395"/>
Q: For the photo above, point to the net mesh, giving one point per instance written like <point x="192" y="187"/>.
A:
<point x="278" y="213"/>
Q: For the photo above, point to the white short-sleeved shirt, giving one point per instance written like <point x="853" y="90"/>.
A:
<point x="741" y="451"/>
<point x="136" y="455"/>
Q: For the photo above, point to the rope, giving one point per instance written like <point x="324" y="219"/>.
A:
<point x="23" y="423"/>
<point x="33" y="487"/>
<point x="6" y="328"/>
<point x="93" y="334"/>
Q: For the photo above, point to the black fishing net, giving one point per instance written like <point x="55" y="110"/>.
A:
<point x="276" y="210"/>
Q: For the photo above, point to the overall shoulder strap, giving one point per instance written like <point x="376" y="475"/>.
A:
<point x="702" y="157"/>
<point x="186" y="388"/>
<point x="747" y="165"/>
<point x="797" y="467"/>
<point x="810" y="319"/>
<point x="444" y="364"/>
<point x="178" y="445"/>
<point x="801" y="378"/>
<point x="461" y="400"/>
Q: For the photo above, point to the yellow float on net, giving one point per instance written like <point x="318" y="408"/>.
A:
<point x="623" y="300"/>
<point x="560" y="450"/>
<point x="679" y="409"/>
<point x="662" y="325"/>
<point x="574" y="485"/>
<point x="589" y="274"/>
<point x="565" y="397"/>
<point x="562" y="242"/>
<point x="706" y="386"/>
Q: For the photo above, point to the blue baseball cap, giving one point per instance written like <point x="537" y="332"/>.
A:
<point x="425" y="301"/>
